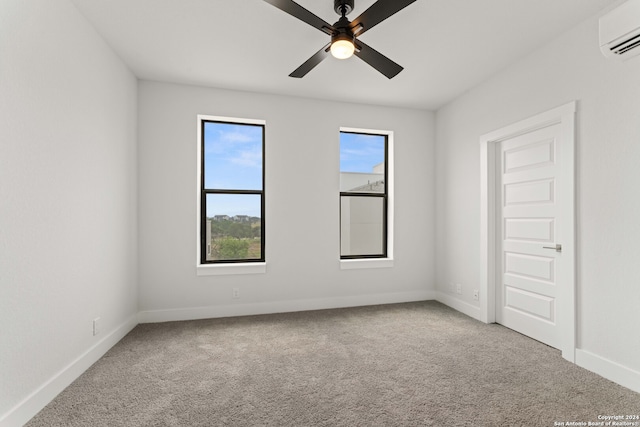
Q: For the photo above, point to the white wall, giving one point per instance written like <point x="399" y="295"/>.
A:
<point x="68" y="200"/>
<point x="362" y="226"/>
<point x="302" y="205"/>
<point x="608" y="176"/>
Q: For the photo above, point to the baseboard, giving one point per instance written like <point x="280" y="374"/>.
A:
<point x="459" y="305"/>
<point x="32" y="404"/>
<point x="609" y="369"/>
<point x="170" y="315"/>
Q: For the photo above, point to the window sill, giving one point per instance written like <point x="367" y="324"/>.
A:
<point x="225" y="269"/>
<point x="353" y="264"/>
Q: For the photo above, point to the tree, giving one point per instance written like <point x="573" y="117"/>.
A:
<point x="239" y="230"/>
<point x="232" y="248"/>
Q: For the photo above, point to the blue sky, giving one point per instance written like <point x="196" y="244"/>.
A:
<point x="233" y="160"/>
<point x="233" y="156"/>
<point x="360" y="152"/>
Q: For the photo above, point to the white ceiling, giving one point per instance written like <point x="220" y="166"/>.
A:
<point x="445" y="46"/>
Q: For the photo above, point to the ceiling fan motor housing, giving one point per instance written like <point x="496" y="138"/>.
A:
<point x="343" y="34"/>
<point x="340" y="5"/>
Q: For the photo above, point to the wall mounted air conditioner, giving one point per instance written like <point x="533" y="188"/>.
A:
<point x="620" y="31"/>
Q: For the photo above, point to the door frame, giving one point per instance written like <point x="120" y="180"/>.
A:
<point x="489" y="233"/>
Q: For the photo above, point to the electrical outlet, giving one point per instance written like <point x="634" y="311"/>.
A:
<point x="96" y="326"/>
<point x="236" y="293"/>
<point x="458" y="288"/>
<point x="476" y="294"/>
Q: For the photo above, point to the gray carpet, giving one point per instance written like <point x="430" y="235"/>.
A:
<point x="415" y="364"/>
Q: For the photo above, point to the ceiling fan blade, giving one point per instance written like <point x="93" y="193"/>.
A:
<point x="294" y="9"/>
<point x="377" y="60"/>
<point x="310" y="63"/>
<point x="378" y="12"/>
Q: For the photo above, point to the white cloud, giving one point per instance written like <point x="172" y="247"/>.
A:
<point x="236" y="137"/>
<point x="248" y="158"/>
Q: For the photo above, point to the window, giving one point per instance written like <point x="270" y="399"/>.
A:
<point x="231" y="198"/>
<point x="364" y="194"/>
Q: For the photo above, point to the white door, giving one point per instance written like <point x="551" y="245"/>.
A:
<point x="527" y="208"/>
<point x="530" y="263"/>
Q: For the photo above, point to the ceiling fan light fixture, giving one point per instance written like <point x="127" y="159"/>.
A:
<point x="342" y="48"/>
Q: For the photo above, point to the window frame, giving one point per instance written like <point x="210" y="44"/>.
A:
<point x="385" y="259"/>
<point x="235" y="266"/>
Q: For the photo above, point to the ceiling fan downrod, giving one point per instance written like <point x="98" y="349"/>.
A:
<point x="343" y="7"/>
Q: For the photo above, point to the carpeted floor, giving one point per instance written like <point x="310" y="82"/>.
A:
<point x="415" y="364"/>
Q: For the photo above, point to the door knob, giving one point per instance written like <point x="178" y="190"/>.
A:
<point x="557" y="247"/>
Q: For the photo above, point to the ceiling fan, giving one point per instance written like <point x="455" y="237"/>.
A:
<point x="344" y="33"/>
